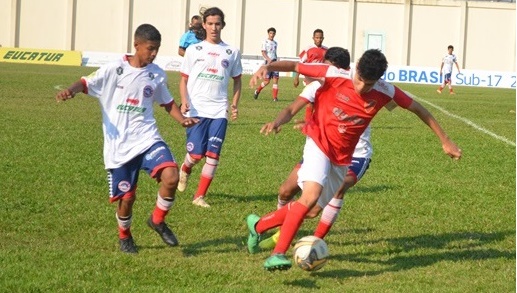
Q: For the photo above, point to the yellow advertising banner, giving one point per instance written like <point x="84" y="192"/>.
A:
<point x="40" y="56"/>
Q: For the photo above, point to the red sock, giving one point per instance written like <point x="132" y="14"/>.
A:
<point x="204" y="183"/>
<point x="275" y="92"/>
<point x="159" y="215"/>
<point x="272" y="220"/>
<point x="293" y="221"/>
<point x="124" y="233"/>
<point x="186" y="169"/>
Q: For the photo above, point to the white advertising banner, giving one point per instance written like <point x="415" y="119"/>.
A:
<point x="395" y="74"/>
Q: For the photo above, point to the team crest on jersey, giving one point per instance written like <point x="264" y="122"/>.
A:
<point x="151" y="75"/>
<point x="229" y="51"/>
<point x="225" y="63"/>
<point x="148" y="91"/>
<point x="124" y="186"/>
<point x="120" y="70"/>
<point x="199" y="48"/>
<point x="369" y="105"/>
<point x="190" y="146"/>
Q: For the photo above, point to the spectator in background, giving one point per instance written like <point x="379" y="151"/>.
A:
<point x="195" y="34"/>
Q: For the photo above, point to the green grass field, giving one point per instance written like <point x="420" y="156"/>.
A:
<point x="417" y="222"/>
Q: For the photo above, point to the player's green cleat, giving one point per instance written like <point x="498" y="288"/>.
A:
<point x="270" y="243"/>
<point x="277" y="262"/>
<point x="253" y="237"/>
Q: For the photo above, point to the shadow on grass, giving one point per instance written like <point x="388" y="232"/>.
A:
<point x="460" y="246"/>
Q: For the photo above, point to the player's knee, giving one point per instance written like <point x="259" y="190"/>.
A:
<point x="286" y="191"/>
<point x="169" y="178"/>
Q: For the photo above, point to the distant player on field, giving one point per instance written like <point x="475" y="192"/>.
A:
<point x="269" y="52"/>
<point x="314" y="53"/>
<point x="126" y="90"/>
<point x="206" y="72"/>
<point x="446" y="70"/>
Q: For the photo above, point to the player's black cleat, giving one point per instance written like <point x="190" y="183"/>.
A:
<point x="163" y="230"/>
<point x="255" y="95"/>
<point x="127" y="245"/>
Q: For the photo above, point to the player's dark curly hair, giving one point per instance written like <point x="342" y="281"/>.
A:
<point x="147" y="32"/>
<point x="338" y="57"/>
<point x="372" y="65"/>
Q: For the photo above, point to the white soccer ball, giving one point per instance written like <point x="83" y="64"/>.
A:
<point x="310" y="253"/>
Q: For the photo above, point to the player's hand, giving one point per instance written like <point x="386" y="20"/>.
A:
<point x="299" y="124"/>
<point x="259" y="74"/>
<point x="296" y="82"/>
<point x="452" y="150"/>
<point x="270" y="127"/>
<point x="184" y="108"/>
<point x="189" y="122"/>
<point x="64" y="95"/>
<point x="235" y="112"/>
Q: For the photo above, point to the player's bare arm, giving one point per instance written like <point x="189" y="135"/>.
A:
<point x="70" y="92"/>
<point x="176" y="114"/>
<point x="237" y="87"/>
<point x="448" y="146"/>
<point x="185" y="107"/>
<point x="284" y="116"/>
<point x="284" y="66"/>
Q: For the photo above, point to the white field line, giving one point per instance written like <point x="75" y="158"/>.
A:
<point x="464" y="120"/>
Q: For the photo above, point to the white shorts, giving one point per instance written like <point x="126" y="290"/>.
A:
<point x="317" y="168"/>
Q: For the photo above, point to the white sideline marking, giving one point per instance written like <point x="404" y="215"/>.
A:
<point x="465" y="120"/>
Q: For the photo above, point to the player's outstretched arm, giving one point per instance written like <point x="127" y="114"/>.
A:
<point x="284" y="66"/>
<point x="284" y="116"/>
<point x="70" y="92"/>
<point x="175" y="113"/>
<point x="448" y="146"/>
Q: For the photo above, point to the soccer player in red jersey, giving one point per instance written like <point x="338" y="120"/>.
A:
<point x="343" y="108"/>
<point x="314" y="53"/>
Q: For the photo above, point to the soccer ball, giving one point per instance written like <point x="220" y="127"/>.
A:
<point x="310" y="253"/>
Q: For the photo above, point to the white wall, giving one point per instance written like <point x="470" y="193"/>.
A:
<point x="416" y="32"/>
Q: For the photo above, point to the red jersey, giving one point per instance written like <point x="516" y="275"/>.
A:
<point x="341" y="115"/>
<point x="313" y="54"/>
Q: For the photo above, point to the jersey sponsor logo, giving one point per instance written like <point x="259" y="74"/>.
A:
<point x="148" y="91"/>
<point x="124" y="186"/>
<point x="120" y="70"/>
<point x="229" y="51"/>
<point x="225" y="63"/>
<point x="151" y="75"/>
<point x="212" y="70"/>
<point x="190" y="146"/>
<point x="215" y="54"/>
<point x="132" y="101"/>
<point x="199" y="48"/>
<point x="129" y="109"/>
<point x="210" y="76"/>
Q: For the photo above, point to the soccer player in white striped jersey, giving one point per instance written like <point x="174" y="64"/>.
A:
<point x="126" y="90"/>
<point x="206" y="71"/>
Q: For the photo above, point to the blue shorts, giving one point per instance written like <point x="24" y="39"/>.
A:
<point x="358" y="167"/>
<point x="123" y="180"/>
<point x="206" y="138"/>
<point x="447" y="77"/>
<point x="272" y="74"/>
